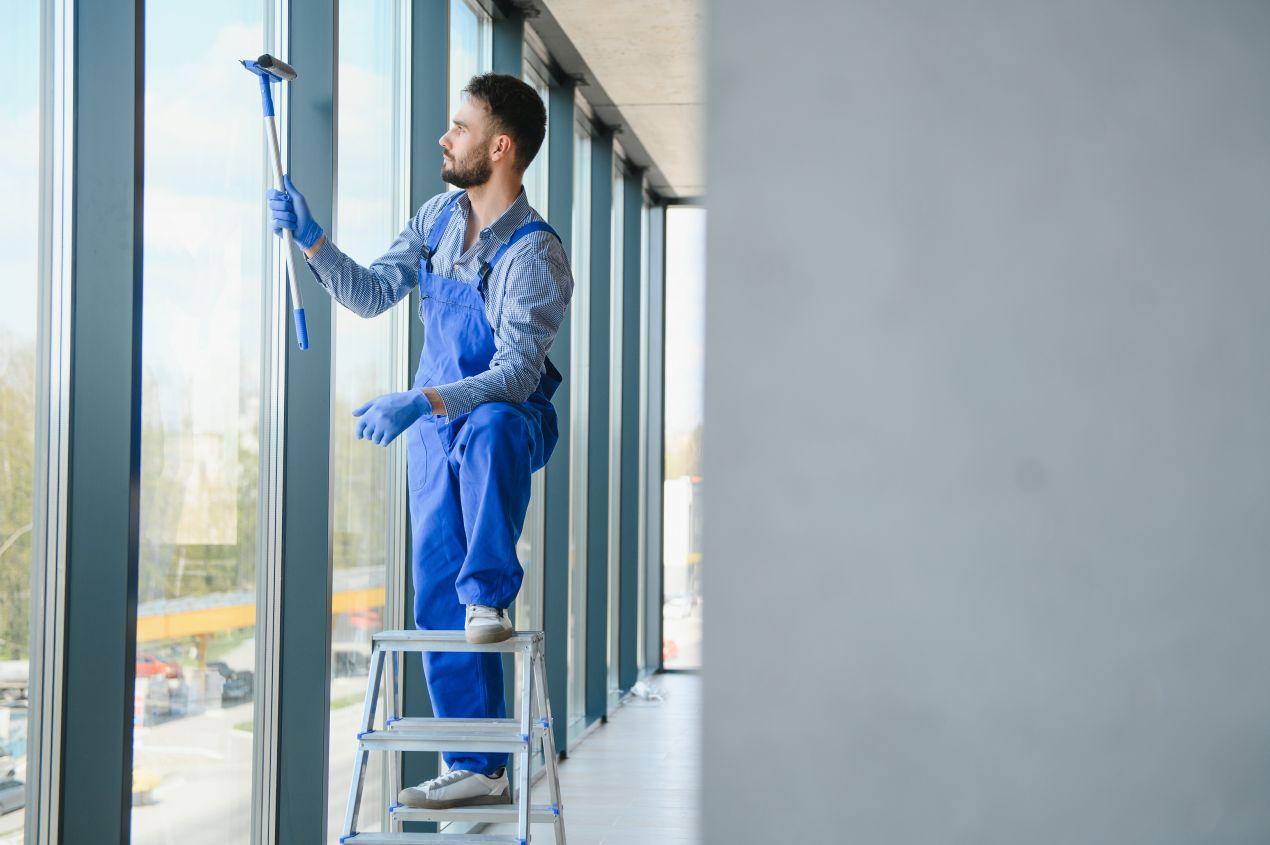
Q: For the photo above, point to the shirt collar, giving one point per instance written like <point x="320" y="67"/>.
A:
<point x="508" y="222"/>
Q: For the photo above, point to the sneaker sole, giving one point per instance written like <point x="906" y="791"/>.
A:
<point x="476" y="801"/>
<point x="488" y="637"/>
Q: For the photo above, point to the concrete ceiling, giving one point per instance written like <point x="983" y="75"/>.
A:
<point x="645" y="62"/>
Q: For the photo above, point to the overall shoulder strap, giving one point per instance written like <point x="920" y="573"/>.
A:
<point x="438" y="229"/>
<point x="528" y="228"/>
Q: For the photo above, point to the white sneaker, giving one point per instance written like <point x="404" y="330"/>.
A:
<point x="458" y="788"/>
<point x="487" y="624"/>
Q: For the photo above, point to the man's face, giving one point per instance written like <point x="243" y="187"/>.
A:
<point x="465" y="156"/>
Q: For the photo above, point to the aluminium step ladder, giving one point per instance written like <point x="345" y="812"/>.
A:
<point x="516" y="736"/>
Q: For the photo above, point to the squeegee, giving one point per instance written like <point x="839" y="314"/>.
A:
<point x="270" y="70"/>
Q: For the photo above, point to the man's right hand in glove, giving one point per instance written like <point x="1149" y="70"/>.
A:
<point x="289" y="210"/>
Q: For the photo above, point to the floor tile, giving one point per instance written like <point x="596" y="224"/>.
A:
<point x="636" y="779"/>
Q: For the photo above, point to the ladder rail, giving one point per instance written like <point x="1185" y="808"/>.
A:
<point x="549" y="745"/>
<point x="363" y="755"/>
<point x="522" y="768"/>
<point x="391" y="715"/>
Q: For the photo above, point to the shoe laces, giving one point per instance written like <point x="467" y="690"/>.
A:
<point x="449" y="777"/>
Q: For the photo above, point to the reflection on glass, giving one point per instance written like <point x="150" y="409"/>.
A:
<point x="19" y="241"/>
<point x="616" y="216"/>
<point x="681" y="505"/>
<point x="366" y="492"/>
<point x="205" y="269"/>
<point x="580" y="355"/>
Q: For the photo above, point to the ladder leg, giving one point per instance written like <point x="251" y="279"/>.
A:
<point x="526" y="730"/>
<point x="362" y="755"/>
<point x="549" y="745"/>
<point x="392" y="711"/>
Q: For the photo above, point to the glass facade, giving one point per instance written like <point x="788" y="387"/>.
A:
<point x="19" y="288"/>
<point x="367" y="481"/>
<point x="205" y="270"/>
<point x="580" y="353"/>
<point x="212" y="437"/>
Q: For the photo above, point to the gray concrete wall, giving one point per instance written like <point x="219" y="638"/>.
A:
<point x="987" y="444"/>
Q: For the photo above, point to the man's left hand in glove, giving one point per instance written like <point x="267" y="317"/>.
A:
<point x="382" y="419"/>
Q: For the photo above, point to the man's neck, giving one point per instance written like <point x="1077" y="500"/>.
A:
<point x="490" y="200"/>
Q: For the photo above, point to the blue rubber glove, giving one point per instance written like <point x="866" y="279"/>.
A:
<point x="290" y="211"/>
<point x="387" y="416"/>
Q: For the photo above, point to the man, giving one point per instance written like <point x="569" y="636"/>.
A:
<point x="494" y="284"/>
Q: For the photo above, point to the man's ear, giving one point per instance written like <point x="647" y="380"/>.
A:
<point x="502" y="145"/>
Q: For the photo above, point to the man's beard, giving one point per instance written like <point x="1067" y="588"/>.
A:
<point x="470" y="173"/>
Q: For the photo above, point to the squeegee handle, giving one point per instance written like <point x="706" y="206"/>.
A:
<point x="297" y="302"/>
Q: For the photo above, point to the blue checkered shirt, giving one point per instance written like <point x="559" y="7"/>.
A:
<point x="525" y="299"/>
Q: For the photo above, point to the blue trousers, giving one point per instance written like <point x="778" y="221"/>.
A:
<point x="469" y="483"/>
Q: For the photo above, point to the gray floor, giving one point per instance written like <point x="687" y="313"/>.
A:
<point x="635" y="780"/>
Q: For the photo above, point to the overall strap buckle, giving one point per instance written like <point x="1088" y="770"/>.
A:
<point x="482" y="277"/>
<point x="438" y="230"/>
<point x="488" y="266"/>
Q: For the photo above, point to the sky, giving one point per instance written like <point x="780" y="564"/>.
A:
<point x="685" y="317"/>
<point x="19" y="167"/>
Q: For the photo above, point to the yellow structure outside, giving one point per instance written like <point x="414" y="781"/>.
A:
<point x="214" y="620"/>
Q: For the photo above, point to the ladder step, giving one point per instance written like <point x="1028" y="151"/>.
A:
<point x="464" y="726"/>
<point x="429" y="838"/>
<point x="411" y="640"/>
<point x="396" y="739"/>
<point x="538" y="813"/>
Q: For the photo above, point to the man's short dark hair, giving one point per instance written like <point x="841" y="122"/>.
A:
<point x="516" y="110"/>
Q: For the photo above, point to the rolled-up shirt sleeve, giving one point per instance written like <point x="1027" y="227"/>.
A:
<point x="535" y="297"/>
<point x="369" y="291"/>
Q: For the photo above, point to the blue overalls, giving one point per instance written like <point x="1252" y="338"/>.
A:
<point x="469" y="490"/>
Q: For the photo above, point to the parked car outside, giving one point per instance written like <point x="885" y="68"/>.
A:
<point x="239" y="683"/>
<point x="12" y="795"/>
<point x="148" y="664"/>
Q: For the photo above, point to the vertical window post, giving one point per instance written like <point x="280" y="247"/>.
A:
<point x="598" y="420"/>
<point x="103" y="502"/>
<point x="305" y="640"/>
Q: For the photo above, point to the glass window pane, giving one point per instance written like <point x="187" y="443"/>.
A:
<point x="681" y="508"/>
<point x="527" y="609"/>
<point x="471" y="50"/>
<point x="366" y="480"/>
<point x="205" y="266"/>
<point x="537" y="175"/>
<point x="580" y="354"/>
<point x="471" y="53"/>
<point x="19" y="262"/>
<point x="528" y="605"/>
